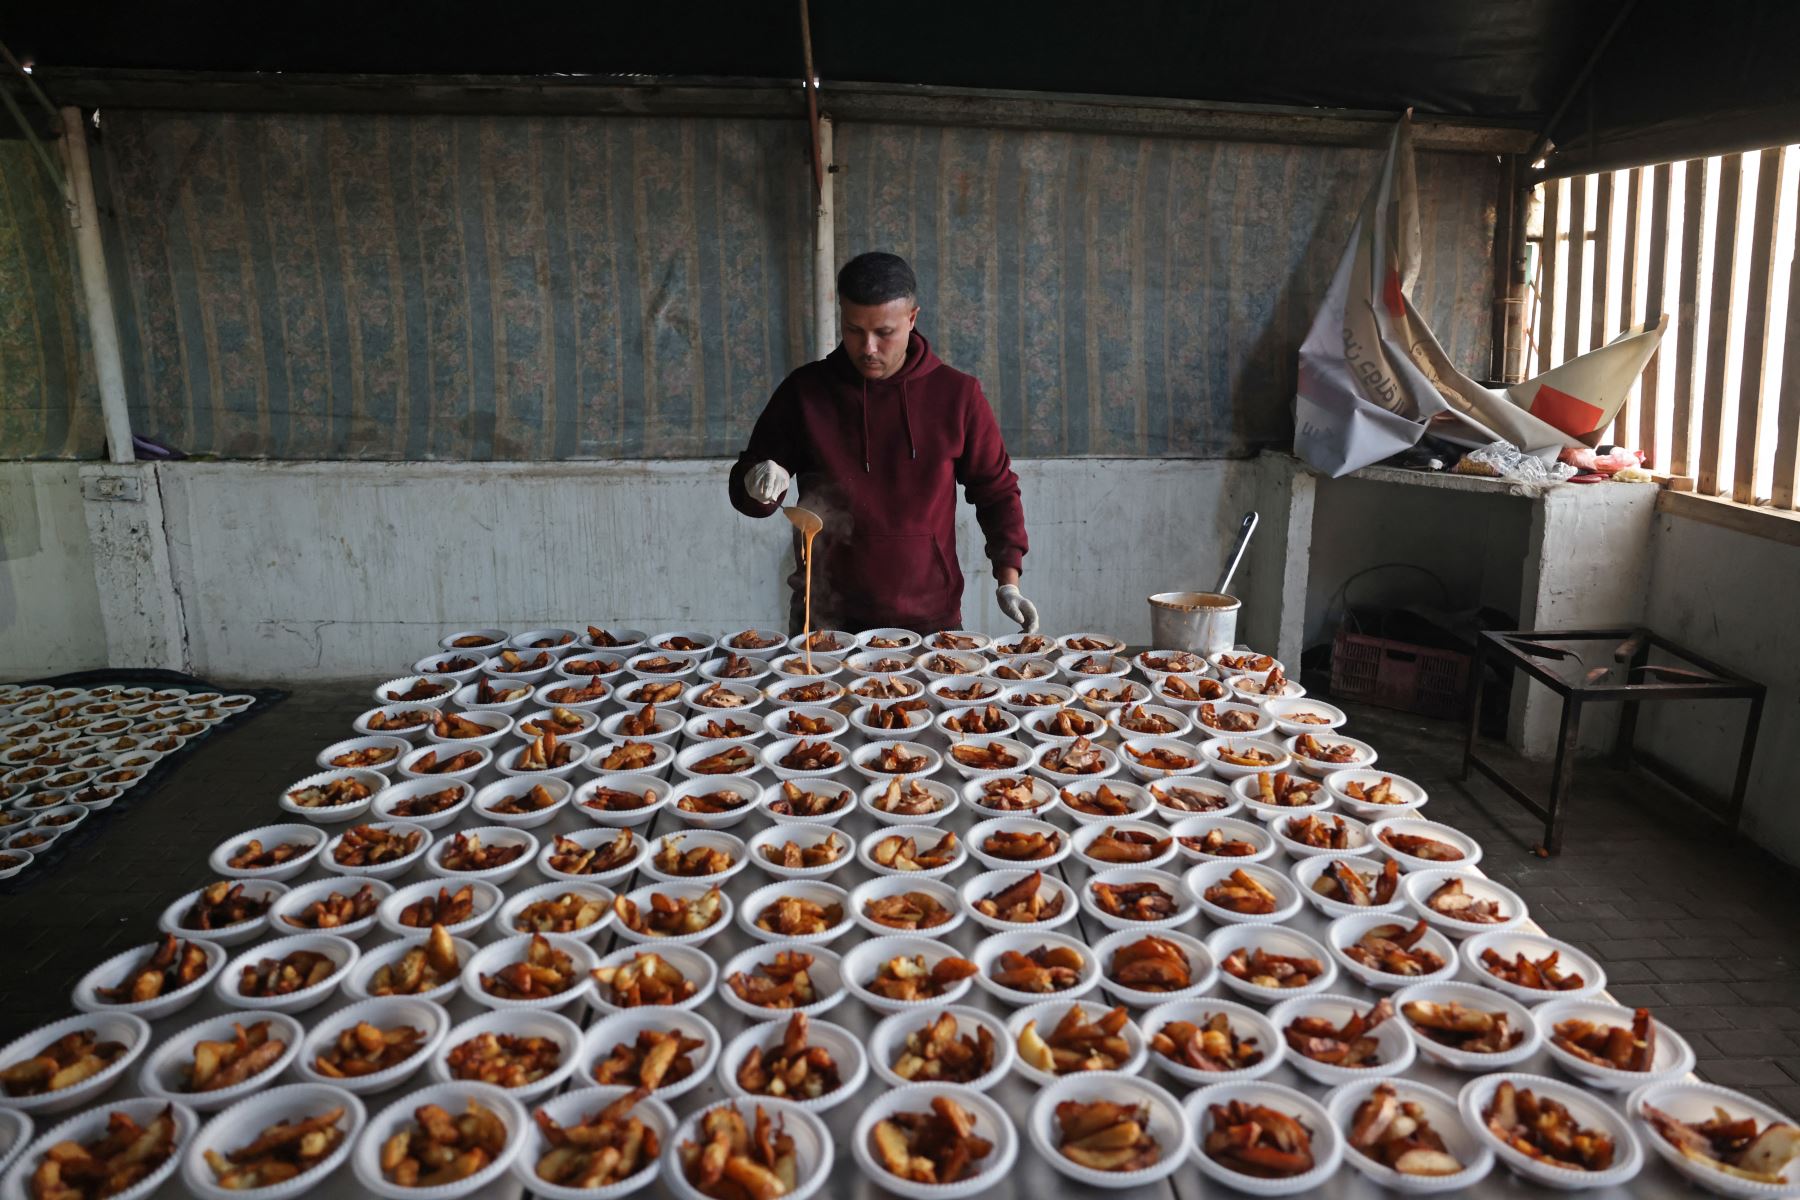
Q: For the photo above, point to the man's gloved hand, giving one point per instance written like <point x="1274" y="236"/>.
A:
<point x="767" y="481"/>
<point x="1017" y="608"/>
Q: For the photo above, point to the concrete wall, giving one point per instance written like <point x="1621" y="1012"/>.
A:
<point x="1730" y="597"/>
<point x="335" y="570"/>
<point x="1473" y="542"/>
<point x="1555" y="558"/>
<point x="50" y="620"/>
<point x="1587" y="567"/>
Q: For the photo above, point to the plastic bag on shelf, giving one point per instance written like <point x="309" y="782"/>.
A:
<point x="1503" y="460"/>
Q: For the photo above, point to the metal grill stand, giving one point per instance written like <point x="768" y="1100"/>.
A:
<point x="1631" y="680"/>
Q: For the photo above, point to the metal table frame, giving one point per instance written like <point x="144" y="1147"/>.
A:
<point x="1528" y="651"/>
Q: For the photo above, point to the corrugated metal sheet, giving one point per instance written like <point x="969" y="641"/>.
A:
<point x="542" y="288"/>
<point x="49" y="402"/>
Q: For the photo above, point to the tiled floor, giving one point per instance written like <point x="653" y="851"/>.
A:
<point x="1705" y="931"/>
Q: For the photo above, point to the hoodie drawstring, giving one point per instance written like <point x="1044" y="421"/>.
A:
<point x="865" y="426"/>
<point x="906" y="420"/>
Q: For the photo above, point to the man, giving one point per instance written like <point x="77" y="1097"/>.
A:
<point x="879" y="434"/>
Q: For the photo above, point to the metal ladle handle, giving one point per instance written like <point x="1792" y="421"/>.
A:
<point x="1237" y="552"/>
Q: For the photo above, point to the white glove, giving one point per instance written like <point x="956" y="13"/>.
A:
<point x="1017" y="608"/>
<point x="768" y="481"/>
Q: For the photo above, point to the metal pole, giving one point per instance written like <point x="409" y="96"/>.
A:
<point x="825" y="302"/>
<point x="820" y="155"/>
<point x="103" y="328"/>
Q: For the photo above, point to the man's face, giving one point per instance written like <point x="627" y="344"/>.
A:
<point x="875" y="335"/>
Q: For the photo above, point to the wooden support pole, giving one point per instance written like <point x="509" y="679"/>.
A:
<point x="1687" y="317"/>
<point x="1546" y="331"/>
<point x="1718" y="324"/>
<point x="1757" y="326"/>
<point x="103" y="328"/>
<point x="1661" y="184"/>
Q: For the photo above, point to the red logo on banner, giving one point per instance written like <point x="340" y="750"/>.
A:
<point x="1391" y="294"/>
<point x="1571" y="414"/>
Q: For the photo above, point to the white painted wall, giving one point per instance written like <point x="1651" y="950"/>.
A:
<point x="1730" y="596"/>
<point x="328" y="570"/>
<point x="1474" y="541"/>
<point x="50" y="620"/>
<point x="1587" y="567"/>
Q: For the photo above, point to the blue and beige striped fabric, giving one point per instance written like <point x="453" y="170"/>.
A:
<point x="418" y="287"/>
<point x="49" y="402"/>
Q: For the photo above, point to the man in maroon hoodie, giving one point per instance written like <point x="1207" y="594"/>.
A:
<point x="879" y="433"/>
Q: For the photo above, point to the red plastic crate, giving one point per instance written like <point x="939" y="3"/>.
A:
<point x="1402" y="675"/>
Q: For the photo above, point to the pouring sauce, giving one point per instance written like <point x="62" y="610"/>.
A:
<point x="809" y="524"/>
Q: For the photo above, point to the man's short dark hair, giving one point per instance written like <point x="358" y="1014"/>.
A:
<point x="876" y="278"/>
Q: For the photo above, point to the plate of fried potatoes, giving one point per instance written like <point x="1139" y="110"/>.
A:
<point x="578" y="910"/>
<point x="125" y="1135"/>
<point x="66" y="1063"/>
<point x="1109" y="1130"/>
<point x="529" y="1052"/>
<point x="281" y="1142"/>
<point x="217" y="1062"/>
<point x="667" y="1051"/>
<point x="567" y="1153"/>
<point x="474" y="1129"/>
<point x="931" y="1140"/>
<point x="799" y="1147"/>
<point x="372" y="1045"/>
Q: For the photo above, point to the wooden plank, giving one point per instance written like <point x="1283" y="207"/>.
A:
<point x="1630" y="420"/>
<point x="1777" y="526"/>
<point x="1762" y="270"/>
<point x="1661" y="183"/>
<point x="1718" y="323"/>
<point x="1577" y="267"/>
<point x="1547" y="250"/>
<point x="1602" y="271"/>
<point x="1687" y="317"/>
<point x="1787" y="414"/>
<point x="189" y="91"/>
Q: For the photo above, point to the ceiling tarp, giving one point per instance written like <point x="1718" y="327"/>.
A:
<point x="1676" y="80"/>
<point x="1683" y="80"/>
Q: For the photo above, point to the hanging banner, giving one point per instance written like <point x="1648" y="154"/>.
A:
<point x="1374" y="380"/>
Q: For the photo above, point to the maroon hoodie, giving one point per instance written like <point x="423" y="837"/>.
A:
<point x="879" y="461"/>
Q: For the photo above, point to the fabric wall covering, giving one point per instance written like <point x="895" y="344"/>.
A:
<point x="417" y="287"/>
<point x="49" y="404"/>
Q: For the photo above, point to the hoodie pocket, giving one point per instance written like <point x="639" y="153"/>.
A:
<point x="901" y="574"/>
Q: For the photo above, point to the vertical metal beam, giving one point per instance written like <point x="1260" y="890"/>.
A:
<point x="1687" y="316"/>
<point x="103" y="327"/>
<point x="1562" y="772"/>
<point x="1757" y="327"/>
<point x="1718" y="323"/>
